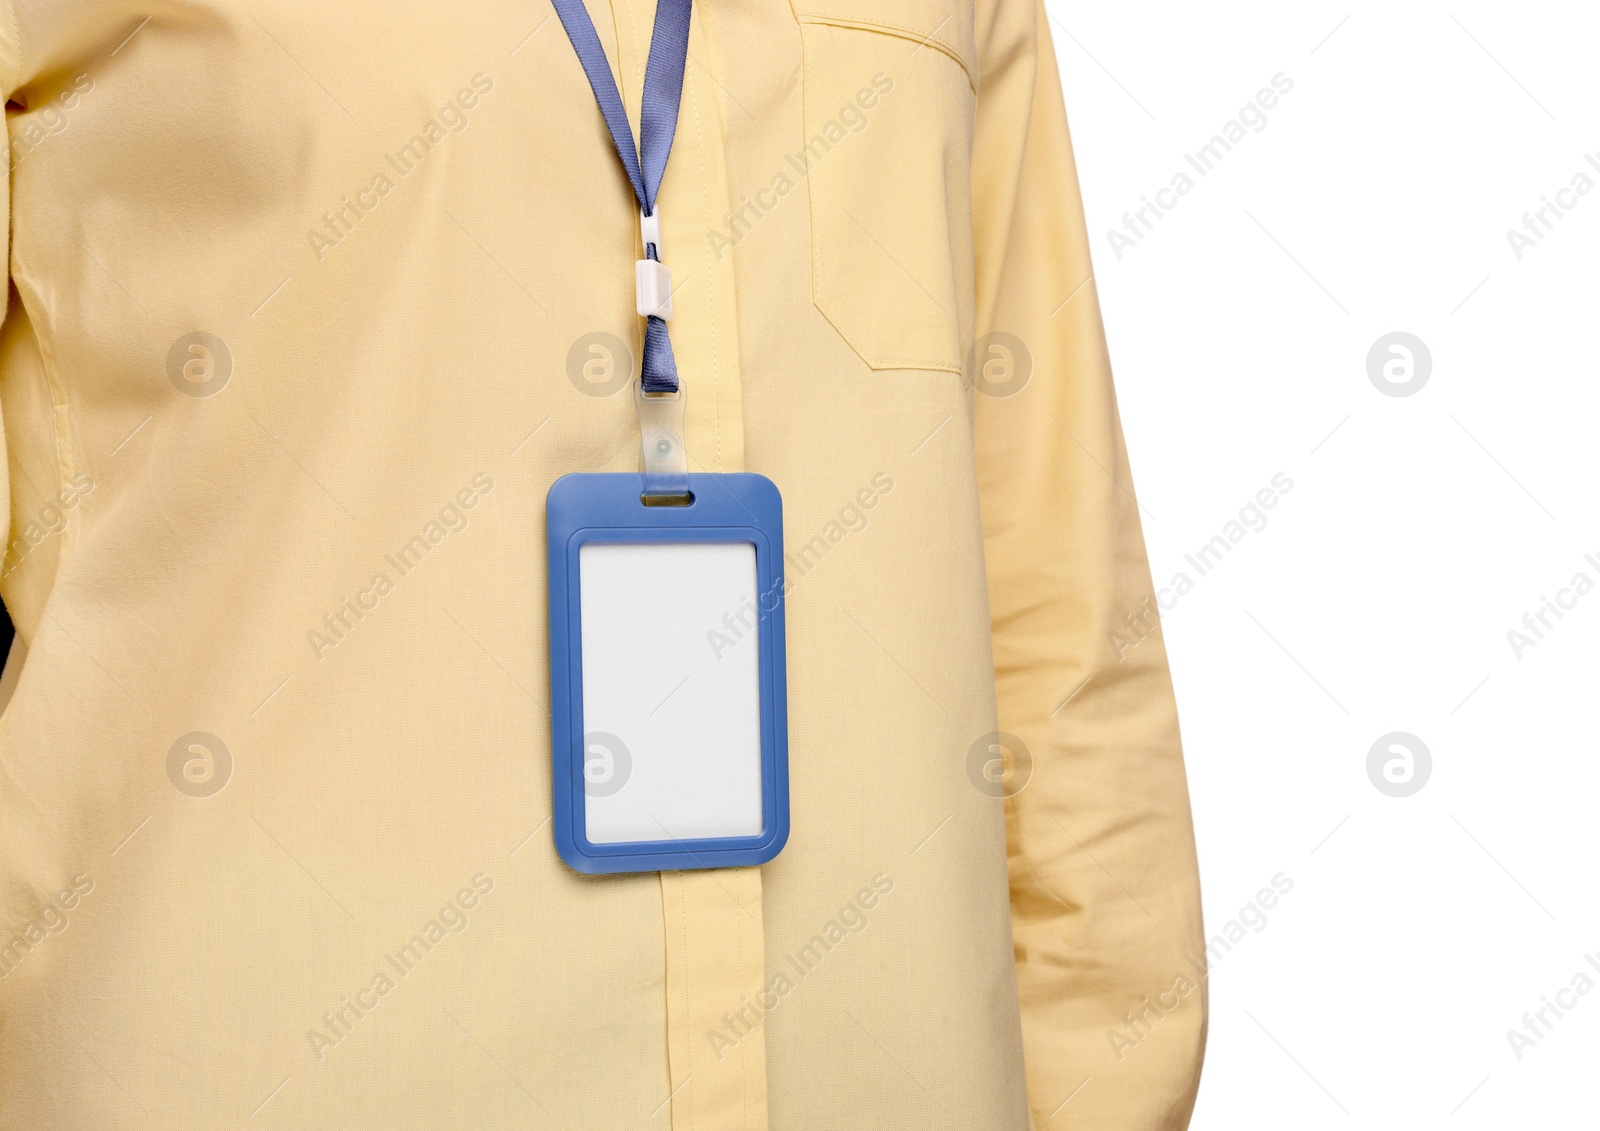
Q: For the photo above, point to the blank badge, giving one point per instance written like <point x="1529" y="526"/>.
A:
<point x="668" y="712"/>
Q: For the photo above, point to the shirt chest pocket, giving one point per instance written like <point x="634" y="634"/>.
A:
<point x="889" y="104"/>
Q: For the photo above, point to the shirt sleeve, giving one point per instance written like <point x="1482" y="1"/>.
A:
<point x="1104" y="887"/>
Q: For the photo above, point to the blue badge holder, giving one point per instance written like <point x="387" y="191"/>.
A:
<point x="588" y="509"/>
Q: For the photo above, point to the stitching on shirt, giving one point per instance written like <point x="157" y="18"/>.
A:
<point x="711" y="287"/>
<point x="688" y="997"/>
<point x="807" y="53"/>
<point x="638" y="63"/>
<point x="707" y="21"/>
<point x="708" y="24"/>
<point x="811" y="191"/>
<point x="13" y="48"/>
<point x="669" y="988"/>
<point x="61" y="430"/>
<point x="901" y="31"/>
<point x="744" y="1067"/>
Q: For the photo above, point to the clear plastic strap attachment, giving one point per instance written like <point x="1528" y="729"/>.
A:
<point x="666" y="460"/>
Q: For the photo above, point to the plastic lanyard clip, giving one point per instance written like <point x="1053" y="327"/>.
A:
<point x="666" y="460"/>
<point x="652" y="279"/>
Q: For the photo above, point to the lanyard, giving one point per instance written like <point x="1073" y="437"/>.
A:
<point x="645" y="164"/>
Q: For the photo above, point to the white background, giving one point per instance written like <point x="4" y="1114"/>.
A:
<point x="1419" y="530"/>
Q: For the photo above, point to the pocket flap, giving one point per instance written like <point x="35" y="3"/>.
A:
<point x="946" y="25"/>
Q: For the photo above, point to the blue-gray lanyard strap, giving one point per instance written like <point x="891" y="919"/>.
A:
<point x="658" y="121"/>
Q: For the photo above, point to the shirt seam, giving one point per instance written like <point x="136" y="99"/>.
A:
<point x="711" y="282"/>
<point x="12" y="79"/>
<point x="688" y="998"/>
<point x="638" y="66"/>
<point x="61" y="430"/>
<point x="874" y="363"/>
<point x="744" y="980"/>
<point x="900" y="31"/>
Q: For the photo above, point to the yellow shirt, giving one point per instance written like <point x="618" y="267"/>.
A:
<point x="310" y="305"/>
